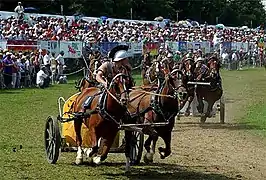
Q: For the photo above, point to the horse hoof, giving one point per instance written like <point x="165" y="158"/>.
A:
<point x="203" y="119"/>
<point x="96" y="160"/>
<point x="148" y="158"/>
<point x="162" y="156"/>
<point x="78" y="161"/>
<point x="88" y="152"/>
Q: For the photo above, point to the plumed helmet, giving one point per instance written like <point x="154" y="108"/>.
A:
<point x="169" y="55"/>
<point x="119" y="55"/>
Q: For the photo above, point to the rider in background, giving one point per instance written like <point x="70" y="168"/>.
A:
<point x="202" y="68"/>
<point x="108" y="70"/>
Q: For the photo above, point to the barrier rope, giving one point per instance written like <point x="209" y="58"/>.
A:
<point x="61" y="74"/>
<point x="75" y="72"/>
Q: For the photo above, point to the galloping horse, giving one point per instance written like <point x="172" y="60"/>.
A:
<point x="210" y="93"/>
<point x="163" y="106"/>
<point x="104" y="110"/>
<point x="187" y="67"/>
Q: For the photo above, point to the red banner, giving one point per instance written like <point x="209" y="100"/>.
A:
<point x="20" y="45"/>
<point x="151" y="47"/>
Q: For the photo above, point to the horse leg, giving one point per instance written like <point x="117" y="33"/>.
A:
<point x="128" y="137"/>
<point x="200" y="106"/>
<point x="166" y="134"/>
<point x="209" y="109"/>
<point x="164" y="152"/>
<point x="107" y="140"/>
<point x="190" y="99"/>
<point x="148" y="157"/>
<point x="77" y="126"/>
<point x="153" y="137"/>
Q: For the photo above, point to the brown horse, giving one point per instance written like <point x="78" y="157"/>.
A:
<point x="163" y="106"/>
<point x="210" y="93"/>
<point x="102" y="116"/>
<point x="187" y="67"/>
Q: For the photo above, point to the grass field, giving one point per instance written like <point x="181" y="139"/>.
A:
<point x="23" y="114"/>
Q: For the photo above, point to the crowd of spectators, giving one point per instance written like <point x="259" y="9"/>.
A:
<point x="24" y="69"/>
<point x="21" y="69"/>
<point x="53" y="28"/>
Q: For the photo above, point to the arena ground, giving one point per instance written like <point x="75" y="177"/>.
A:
<point x="235" y="150"/>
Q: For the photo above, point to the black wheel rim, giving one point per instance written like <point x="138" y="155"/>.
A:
<point x="136" y="147"/>
<point x="51" y="147"/>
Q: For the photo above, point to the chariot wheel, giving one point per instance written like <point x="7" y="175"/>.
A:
<point x="52" y="139"/>
<point x="222" y="110"/>
<point x="136" y="148"/>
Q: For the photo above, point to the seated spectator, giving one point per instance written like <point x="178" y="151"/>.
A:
<point x="42" y="79"/>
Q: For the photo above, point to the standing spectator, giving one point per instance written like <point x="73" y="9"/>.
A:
<point x="47" y="62"/>
<point x="1" y="71"/>
<point x="53" y="66"/>
<point x="14" y="71"/>
<point x="234" y="60"/>
<point x="20" y="10"/>
<point x="8" y="64"/>
<point x="225" y="57"/>
<point x="61" y="62"/>
<point x="21" y="72"/>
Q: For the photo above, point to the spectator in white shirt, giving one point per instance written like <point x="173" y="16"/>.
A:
<point x="20" y="10"/>
<point x="42" y="79"/>
<point x="47" y="62"/>
<point x="61" y="62"/>
<point x="225" y="57"/>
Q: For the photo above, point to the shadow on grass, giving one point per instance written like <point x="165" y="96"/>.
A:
<point x="161" y="171"/>
<point x="231" y="126"/>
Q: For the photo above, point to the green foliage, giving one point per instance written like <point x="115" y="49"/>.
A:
<point x="229" y="12"/>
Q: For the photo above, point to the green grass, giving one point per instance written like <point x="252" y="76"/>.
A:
<point x="23" y="114"/>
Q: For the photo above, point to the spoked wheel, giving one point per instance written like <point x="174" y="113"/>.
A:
<point x="136" y="148"/>
<point x="52" y="140"/>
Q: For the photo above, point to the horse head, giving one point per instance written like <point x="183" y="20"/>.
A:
<point x="214" y="67"/>
<point x="120" y="86"/>
<point x="187" y="68"/>
<point x="180" y="91"/>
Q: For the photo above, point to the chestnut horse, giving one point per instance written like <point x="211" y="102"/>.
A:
<point x="105" y="108"/>
<point x="163" y="106"/>
<point x="210" y="93"/>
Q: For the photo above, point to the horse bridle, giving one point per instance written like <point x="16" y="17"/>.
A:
<point x="112" y="83"/>
<point x="177" y="95"/>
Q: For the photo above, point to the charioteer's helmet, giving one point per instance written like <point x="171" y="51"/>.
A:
<point x="119" y="53"/>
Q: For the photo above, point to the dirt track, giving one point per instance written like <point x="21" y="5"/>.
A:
<point x="229" y="149"/>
